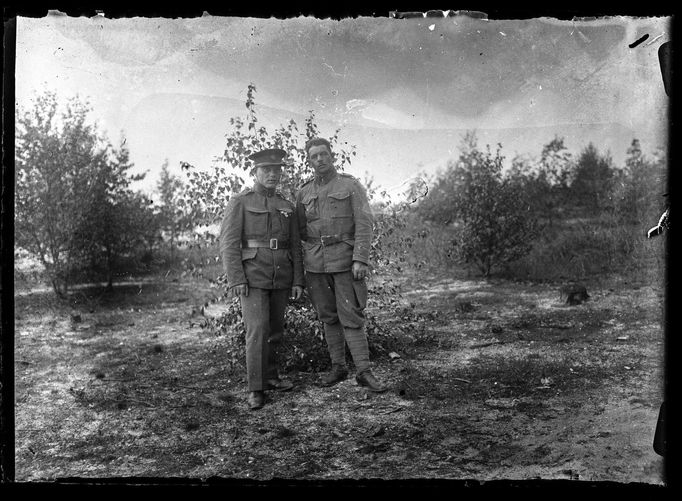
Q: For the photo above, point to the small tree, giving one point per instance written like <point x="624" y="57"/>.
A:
<point x="208" y="190"/>
<point x="544" y="181"/>
<point x="72" y="204"/>
<point x="638" y="190"/>
<point x="492" y="216"/>
<point x="171" y="216"/>
<point x="592" y="180"/>
<point x="555" y="163"/>
<point x="205" y="199"/>
<point x="112" y="228"/>
<point x="58" y="155"/>
<point x="150" y="228"/>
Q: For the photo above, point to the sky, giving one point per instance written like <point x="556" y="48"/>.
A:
<point x="403" y="91"/>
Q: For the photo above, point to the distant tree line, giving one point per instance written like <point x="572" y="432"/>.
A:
<point x="498" y="215"/>
<point x="76" y="210"/>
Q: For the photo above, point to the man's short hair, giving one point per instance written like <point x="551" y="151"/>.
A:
<point x="317" y="141"/>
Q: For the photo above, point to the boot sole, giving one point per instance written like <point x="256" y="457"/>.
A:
<point x="369" y="388"/>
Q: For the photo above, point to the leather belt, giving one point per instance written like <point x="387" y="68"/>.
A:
<point x="273" y="244"/>
<point x="330" y="239"/>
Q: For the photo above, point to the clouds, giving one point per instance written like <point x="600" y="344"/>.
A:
<point x="461" y="68"/>
<point x="376" y="77"/>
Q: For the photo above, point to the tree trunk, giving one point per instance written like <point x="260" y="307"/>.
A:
<point x="55" y="287"/>
<point x="110" y="281"/>
<point x="172" y="247"/>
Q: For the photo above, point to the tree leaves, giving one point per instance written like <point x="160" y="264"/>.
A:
<point x="493" y="226"/>
<point x="74" y="209"/>
<point x="208" y="188"/>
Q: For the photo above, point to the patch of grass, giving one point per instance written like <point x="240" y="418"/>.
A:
<point x="597" y="246"/>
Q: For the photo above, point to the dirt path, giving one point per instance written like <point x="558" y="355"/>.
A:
<point x="515" y="386"/>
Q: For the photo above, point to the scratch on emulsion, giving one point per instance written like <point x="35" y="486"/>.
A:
<point x="639" y="41"/>
<point x="659" y="36"/>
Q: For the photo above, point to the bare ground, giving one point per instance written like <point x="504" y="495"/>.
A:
<point x="514" y="386"/>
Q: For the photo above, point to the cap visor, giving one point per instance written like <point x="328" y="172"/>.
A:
<point x="270" y="164"/>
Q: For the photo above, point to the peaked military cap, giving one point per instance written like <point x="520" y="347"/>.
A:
<point x="264" y="158"/>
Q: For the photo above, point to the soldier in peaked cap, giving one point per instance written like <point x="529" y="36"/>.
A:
<point x="260" y="249"/>
<point x="336" y="227"/>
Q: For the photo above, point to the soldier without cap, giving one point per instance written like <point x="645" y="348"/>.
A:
<point x="336" y="228"/>
<point x="261" y="253"/>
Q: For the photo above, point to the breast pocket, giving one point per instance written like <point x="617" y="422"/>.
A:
<point x="255" y="222"/>
<point x="283" y="218"/>
<point x="340" y="204"/>
<point x="311" y="207"/>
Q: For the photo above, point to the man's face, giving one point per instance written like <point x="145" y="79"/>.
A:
<point x="269" y="175"/>
<point x="321" y="159"/>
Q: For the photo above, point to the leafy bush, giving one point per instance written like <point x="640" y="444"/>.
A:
<point x="491" y="216"/>
<point x="204" y="200"/>
<point x="391" y="323"/>
<point x="304" y="348"/>
<point x="74" y="207"/>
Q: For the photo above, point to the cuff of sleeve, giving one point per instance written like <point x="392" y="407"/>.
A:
<point x="362" y="259"/>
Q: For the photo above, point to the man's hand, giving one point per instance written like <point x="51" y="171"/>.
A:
<point x="360" y="270"/>
<point x="241" y="290"/>
<point x="296" y="292"/>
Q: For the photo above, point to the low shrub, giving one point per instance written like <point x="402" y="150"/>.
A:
<point x="391" y="324"/>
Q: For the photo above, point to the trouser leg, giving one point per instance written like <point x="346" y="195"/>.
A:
<point x="340" y="302"/>
<point x="351" y="300"/>
<point x="278" y="302"/>
<point x="255" y="313"/>
<point x="320" y="287"/>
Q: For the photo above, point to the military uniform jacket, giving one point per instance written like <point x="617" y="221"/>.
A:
<point x="257" y="214"/>
<point x="335" y="210"/>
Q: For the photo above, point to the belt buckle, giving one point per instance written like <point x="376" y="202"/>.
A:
<point x="273" y="243"/>
<point x="323" y="239"/>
